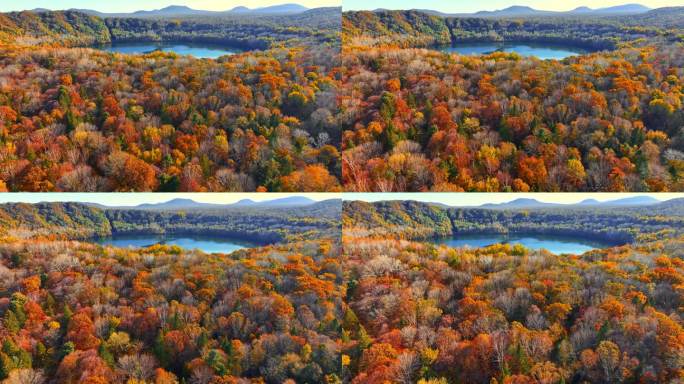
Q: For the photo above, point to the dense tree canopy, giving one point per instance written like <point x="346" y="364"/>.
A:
<point x="75" y="119"/>
<point x="80" y="313"/>
<point x="85" y="120"/>
<point x="66" y="28"/>
<point x="416" y="119"/>
<point x="417" y="220"/>
<point x="77" y="312"/>
<point x="504" y="314"/>
<point x="413" y="28"/>
<point x="426" y="313"/>
<point x="260" y="224"/>
<point x="383" y="304"/>
<point x="75" y="28"/>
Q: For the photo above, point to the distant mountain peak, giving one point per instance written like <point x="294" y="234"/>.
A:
<point x="292" y="200"/>
<point x="520" y="203"/>
<point x="183" y="203"/>
<point x="181" y="200"/>
<point x="183" y="10"/>
<point x="170" y="10"/>
<point x="524" y="200"/>
<point x="177" y="202"/>
<point x="176" y="8"/>
<point x="523" y="11"/>
<point x="525" y="203"/>
<point x="589" y="202"/>
<point x="625" y="8"/>
<point x="514" y="10"/>
<point x="245" y="202"/>
<point x="282" y="8"/>
<point x="239" y="9"/>
<point x="519" y="8"/>
<point x="636" y="200"/>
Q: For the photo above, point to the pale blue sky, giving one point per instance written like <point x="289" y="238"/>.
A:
<point x="136" y="5"/>
<point x="474" y="199"/>
<point x="468" y="6"/>
<point x="128" y="199"/>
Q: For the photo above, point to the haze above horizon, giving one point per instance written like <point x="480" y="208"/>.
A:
<point x="126" y="6"/>
<point x="462" y="6"/>
<point x="136" y="198"/>
<point x="475" y="199"/>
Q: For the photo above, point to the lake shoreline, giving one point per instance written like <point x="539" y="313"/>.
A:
<point x="541" y="40"/>
<point x="205" y="243"/>
<point x="541" y="49"/>
<point x="590" y="241"/>
<point x="616" y="238"/>
<point x="198" y="48"/>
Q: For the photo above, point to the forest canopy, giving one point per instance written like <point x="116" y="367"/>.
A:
<point x="79" y="221"/>
<point x="413" y="28"/>
<point x="416" y="119"/>
<point x="421" y="312"/>
<point x="80" y="119"/>
<point x="383" y="303"/>
<point x="414" y="220"/>
<point x="75" y="311"/>
<point x="320" y="26"/>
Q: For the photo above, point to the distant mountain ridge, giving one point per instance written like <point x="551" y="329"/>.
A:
<point x="180" y="203"/>
<point x="520" y="203"/>
<point x="527" y="203"/>
<point x="520" y="11"/>
<point x="183" y="10"/>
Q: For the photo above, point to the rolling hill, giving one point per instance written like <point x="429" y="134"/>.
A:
<point x="525" y="11"/>
<point x="185" y="11"/>
<point x="524" y="203"/>
<point x="186" y="204"/>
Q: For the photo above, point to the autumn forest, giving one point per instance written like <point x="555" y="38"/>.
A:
<point x="341" y="292"/>
<point x="419" y="311"/>
<point x="415" y="118"/>
<point x="371" y="103"/>
<point x="341" y="192"/>
<point x="75" y="311"/>
<point x="80" y="119"/>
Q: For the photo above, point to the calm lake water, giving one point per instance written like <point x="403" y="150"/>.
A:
<point x="553" y="244"/>
<point x="542" y="51"/>
<point x="199" y="50"/>
<point x="208" y="244"/>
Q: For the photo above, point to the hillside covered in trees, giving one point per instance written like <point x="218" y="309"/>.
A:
<point x="413" y="28"/>
<point x="77" y="119"/>
<point x="320" y="26"/>
<point x="412" y="220"/>
<point x="420" y="119"/>
<point x="78" y="221"/>
<point x="426" y="313"/>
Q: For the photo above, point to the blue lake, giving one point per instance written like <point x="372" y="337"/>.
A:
<point x="208" y="244"/>
<point x="542" y="51"/>
<point x="199" y="50"/>
<point x="553" y="244"/>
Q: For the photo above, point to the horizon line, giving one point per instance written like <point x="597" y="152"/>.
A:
<point x="180" y="3"/>
<point x="476" y="199"/>
<point x="497" y="6"/>
<point x="457" y="199"/>
<point x="134" y="199"/>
